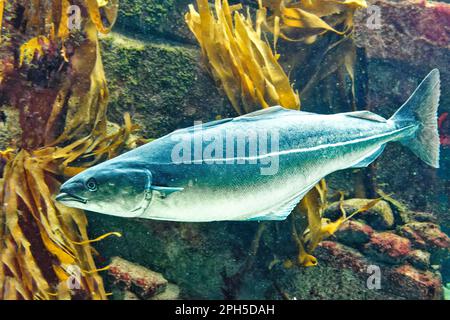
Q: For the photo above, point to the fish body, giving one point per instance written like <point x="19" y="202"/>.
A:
<point x="253" y="167"/>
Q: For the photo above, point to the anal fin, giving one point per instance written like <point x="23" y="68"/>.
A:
<point x="370" y="158"/>
<point x="282" y="211"/>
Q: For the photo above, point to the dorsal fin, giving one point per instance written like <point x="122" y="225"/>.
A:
<point x="367" y="115"/>
<point x="203" y="125"/>
<point x="272" y="111"/>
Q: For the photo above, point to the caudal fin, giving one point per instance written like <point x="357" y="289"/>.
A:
<point x="421" y="108"/>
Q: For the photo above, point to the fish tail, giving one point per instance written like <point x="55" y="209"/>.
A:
<point x="421" y="108"/>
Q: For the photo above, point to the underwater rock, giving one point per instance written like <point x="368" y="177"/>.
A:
<point x="415" y="31"/>
<point x="326" y="281"/>
<point x="127" y="295"/>
<point x="172" y="292"/>
<point x="342" y="256"/>
<point x="414" y="284"/>
<point x="342" y="273"/>
<point x="409" y="30"/>
<point x="397" y="282"/>
<point x="194" y="256"/>
<point x="136" y="279"/>
<point x="162" y="85"/>
<point x="152" y="18"/>
<point x="419" y="259"/>
<point x="379" y="217"/>
<point x="354" y="233"/>
<point x="10" y="132"/>
<point x="388" y="247"/>
<point x="418" y="216"/>
<point x="425" y="235"/>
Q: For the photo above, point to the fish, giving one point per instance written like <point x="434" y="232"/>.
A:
<point x="254" y="167"/>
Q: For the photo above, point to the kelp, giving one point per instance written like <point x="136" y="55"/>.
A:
<point x="109" y="9"/>
<point x="306" y="20"/>
<point x="2" y="7"/>
<point x="243" y="63"/>
<point x="338" y="59"/>
<point x="30" y="180"/>
<point x="45" y="251"/>
<point x="314" y="228"/>
<point x="339" y="56"/>
<point x="31" y="48"/>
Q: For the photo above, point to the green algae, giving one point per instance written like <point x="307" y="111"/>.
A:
<point x="155" y="81"/>
<point x="155" y="17"/>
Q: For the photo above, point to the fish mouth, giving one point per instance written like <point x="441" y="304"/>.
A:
<point x="63" y="196"/>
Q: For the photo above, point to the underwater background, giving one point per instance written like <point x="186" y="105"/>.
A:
<point x="157" y="71"/>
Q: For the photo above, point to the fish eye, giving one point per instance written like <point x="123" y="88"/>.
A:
<point x="91" y="185"/>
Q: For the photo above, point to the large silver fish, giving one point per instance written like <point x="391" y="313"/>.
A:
<point x="253" y="167"/>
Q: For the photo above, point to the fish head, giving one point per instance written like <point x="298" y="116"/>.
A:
<point x="110" y="188"/>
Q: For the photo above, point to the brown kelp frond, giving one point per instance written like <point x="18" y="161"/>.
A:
<point x="317" y="228"/>
<point x="239" y="59"/>
<point x="306" y="20"/>
<point x="95" y="147"/>
<point x="400" y="207"/>
<point x="339" y="56"/>
<point x="33" y="47"/>
<point x="106" y="235"/>
<point x="30" y="180"/>
<point x="109" y="9"/>
<point x="2" y="7"/>
<point x="58" y="85"/>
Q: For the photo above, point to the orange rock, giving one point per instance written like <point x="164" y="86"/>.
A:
<point x="388" y="247"/>
<point x="414" y="284"/>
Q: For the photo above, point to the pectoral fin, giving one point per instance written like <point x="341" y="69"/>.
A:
<point x="165" y="191"/>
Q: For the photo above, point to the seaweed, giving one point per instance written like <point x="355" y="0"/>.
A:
<point x="58" y="85"/>
<point x="243" y="63"/>
<point x="2" y="7"/>
<point x="306" y="20"/>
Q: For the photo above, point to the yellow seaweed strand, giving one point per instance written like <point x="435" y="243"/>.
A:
<point x="110" y="9"/>
<point x="2" y="7"/>
<point x="243" y="63"/>
<point x="96" y="270"/>
<point x="117" y="234"/>
<point x="306" y="20"/>
<point x="63" y="29"/>
<point x="29" y="48"/>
